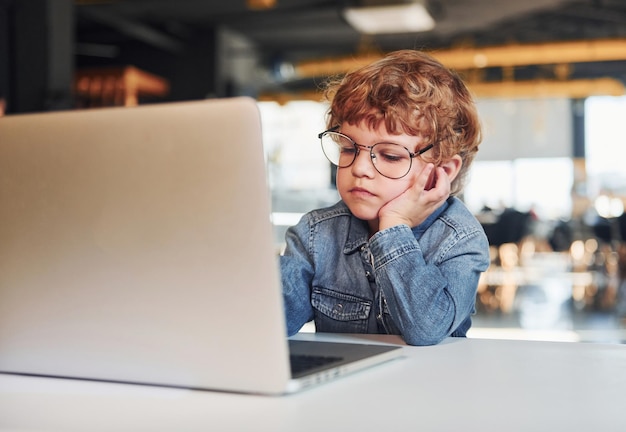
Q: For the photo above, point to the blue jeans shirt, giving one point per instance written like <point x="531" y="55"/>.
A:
<point x="419" y="283"/>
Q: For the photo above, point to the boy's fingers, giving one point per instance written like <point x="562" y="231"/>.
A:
<point x="422" y="179"/>
<point x="442" y="184"/>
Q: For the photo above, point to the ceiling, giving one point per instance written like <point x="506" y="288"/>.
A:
<point x="301" y="31"/>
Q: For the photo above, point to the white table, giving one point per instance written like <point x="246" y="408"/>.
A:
<point x="459" y="385"/>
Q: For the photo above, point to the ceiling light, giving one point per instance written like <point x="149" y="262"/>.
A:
<point x="396" y="18"/>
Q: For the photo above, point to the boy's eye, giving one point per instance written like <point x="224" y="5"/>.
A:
<point x="390" y="157"/>
<point x="391" y="153"/>
<point x="347" y="150"/>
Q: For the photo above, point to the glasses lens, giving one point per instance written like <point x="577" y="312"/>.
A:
<point x="339" y="150"/>
<point x="391" y="160"/>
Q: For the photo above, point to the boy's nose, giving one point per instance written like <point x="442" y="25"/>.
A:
<point x="363" y="165"/>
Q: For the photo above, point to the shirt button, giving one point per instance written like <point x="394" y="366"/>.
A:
<point x="338" y="307"/>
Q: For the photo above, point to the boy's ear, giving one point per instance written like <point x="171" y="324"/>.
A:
<point x="453" y="166"/>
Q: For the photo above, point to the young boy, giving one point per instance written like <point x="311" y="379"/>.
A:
<point x="399" y="254"/>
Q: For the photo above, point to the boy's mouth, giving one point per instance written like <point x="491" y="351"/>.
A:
<point x="360" y="191"/>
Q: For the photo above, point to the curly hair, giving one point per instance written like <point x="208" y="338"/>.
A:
<point x="410" y="92"/>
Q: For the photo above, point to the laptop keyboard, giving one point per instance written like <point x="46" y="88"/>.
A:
<point x="302" y="363"/>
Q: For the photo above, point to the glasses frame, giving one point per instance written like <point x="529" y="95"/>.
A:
<point x="358" y="148"/>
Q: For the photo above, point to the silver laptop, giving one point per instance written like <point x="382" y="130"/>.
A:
<point x="136" y="246"/>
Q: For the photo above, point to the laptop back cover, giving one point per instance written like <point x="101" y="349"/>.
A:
<point x="136" y="246"/>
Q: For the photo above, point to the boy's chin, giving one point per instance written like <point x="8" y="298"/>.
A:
<point x="364" y="213"/>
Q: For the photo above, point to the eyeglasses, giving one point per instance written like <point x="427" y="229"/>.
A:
<point x="389" y="159"/>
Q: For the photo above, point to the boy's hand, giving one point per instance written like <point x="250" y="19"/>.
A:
<point x="414" y="205"/>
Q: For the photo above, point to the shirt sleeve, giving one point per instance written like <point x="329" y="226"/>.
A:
<point x="296" y="270"/>
<point x="428" y="298"/>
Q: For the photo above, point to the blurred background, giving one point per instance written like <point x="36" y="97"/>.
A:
<point x="549" y="181"/>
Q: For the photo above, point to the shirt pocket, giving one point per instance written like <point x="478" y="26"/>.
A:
<point x="339" y="312"/>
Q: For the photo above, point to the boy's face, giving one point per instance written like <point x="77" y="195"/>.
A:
<point x="364" y="189"/>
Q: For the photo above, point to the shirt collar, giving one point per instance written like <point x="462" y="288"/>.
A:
<point x="419" y="230"/>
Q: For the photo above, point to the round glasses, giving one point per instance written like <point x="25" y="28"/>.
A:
<point x="389" y="159"/>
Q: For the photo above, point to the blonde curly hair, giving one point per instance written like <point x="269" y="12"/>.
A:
<point x="410" y="92"/>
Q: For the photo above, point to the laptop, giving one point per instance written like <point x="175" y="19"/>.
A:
<point x="136" y="246"/>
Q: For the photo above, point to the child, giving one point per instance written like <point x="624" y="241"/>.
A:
<point x="399" y="254"/>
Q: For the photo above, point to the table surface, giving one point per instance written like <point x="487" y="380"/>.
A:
<point x="458" y="385"/>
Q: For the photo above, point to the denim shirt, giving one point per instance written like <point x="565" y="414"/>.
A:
<point x="417" y="282"/>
